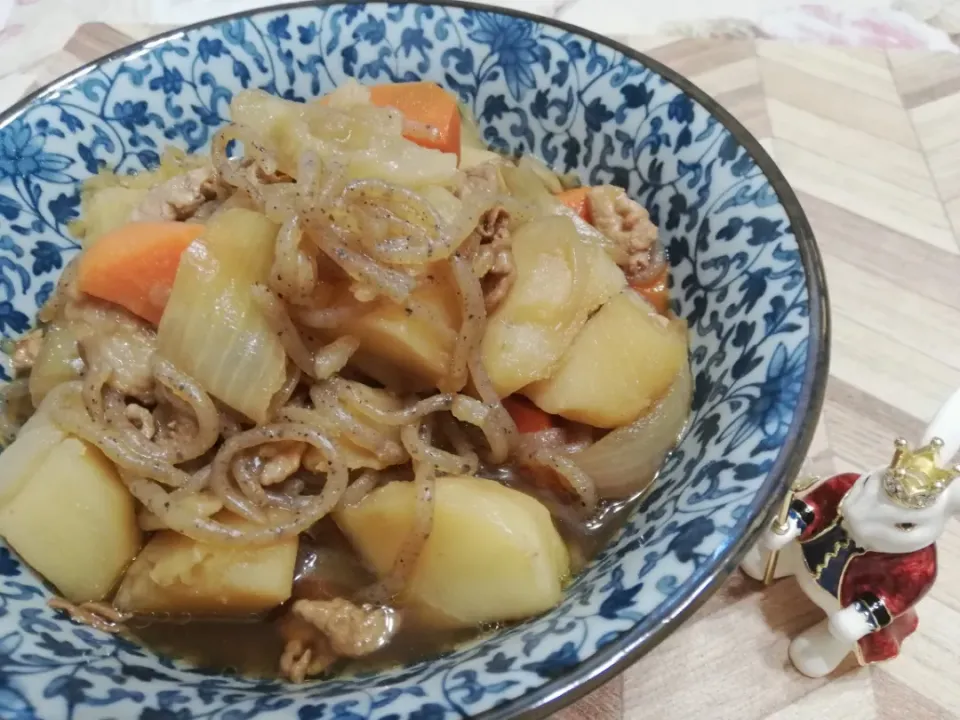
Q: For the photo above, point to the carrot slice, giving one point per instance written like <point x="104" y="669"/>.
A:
<point x="135" y="265"/>
<point x="577" y="201"/>
<point x="656" y="292"/>
<point x="528" y="417"/>
<point x="431" y="113"/>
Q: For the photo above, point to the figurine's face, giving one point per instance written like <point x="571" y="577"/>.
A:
<point x="879" y="524"/>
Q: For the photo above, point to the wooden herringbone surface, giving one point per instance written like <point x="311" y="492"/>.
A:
<point x="871" y="141"/>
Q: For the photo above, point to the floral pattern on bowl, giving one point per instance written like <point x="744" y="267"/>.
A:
<point x="745" y="274"/>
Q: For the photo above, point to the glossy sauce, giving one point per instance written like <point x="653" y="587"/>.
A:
<point x="252" y="646"/>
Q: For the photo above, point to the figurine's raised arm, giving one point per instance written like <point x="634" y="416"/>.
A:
<point x="864" y="549"/>
<point x="946" y="426"/>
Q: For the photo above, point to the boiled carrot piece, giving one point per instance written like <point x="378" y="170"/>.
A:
<point x="528" y="417"/>
<point x="135" y="265"/>
<point x="431" y="113"/>
<point x="577" y="201"/>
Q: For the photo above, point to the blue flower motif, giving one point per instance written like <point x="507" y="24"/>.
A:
<point x="22" y="156"/>
<point x="681" y="109"/>
<point x="779" y="393"/>
<point x="514" y="42"/>
<point x="46" y="257"/>
<point x="131" y="114"/>
<point x="170" y="82"/>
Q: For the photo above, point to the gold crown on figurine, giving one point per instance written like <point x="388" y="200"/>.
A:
<point x="914" y="480"/>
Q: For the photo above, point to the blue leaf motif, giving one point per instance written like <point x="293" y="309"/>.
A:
<point x="12" y="319"/>
<point x="728" y="149"/>
<point x="165" y="714"/>
<point x="71" y="688"/>
<point x="499" y="663"/>
<point x="65" y="208"/>
<point x="70" y="121"/>
<point x="307" y="33"/>
<point x="620" y="599"/>
<point x="596" y="114"/>
<point x="9" y="567"/>
<point x="349" y="56"/>
<point x="557" y="663"/>
<point x="209" y="48"/>
<point x="312" y="712"/>
<point x="43" y="294"/>
<point x="414" y="39"/>
<point x="689" y="537"/>
<point x="635" y="96"/>
<point x="494" y="108"/>
<point x="463" y="59"/>
<point x="429" y="711"/>
<point x="242" y="73"/>
<point x="9" y="208"/>
<point x="372" y="31"/>
<point x="279" y="28"/>
<point x="539" y="107"/>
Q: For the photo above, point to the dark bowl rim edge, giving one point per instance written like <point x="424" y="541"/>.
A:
<point x="616" y="657"/>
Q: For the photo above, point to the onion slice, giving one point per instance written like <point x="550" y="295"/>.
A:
<point x="625" y="461"/>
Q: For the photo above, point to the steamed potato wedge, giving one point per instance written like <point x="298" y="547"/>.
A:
<point x="493" y="554"/>
<point x="73" y="521"/>
<point x="174" y="574"/>
<point x="559" y="281"/>
<point x="623" y="360"/>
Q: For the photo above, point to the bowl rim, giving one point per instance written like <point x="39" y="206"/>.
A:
<point x="629" y="647"/>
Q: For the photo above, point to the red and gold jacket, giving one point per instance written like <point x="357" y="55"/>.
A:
<point x="885" y="586"/>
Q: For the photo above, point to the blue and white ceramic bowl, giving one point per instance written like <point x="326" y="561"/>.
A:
<point x="745" y="274"/>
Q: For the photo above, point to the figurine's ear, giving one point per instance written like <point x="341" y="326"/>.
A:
<point x="946" y="426"/>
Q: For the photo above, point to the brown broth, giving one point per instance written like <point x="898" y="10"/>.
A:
<point x="253" y="646"/>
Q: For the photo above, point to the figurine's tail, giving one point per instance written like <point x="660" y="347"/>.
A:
<point x="946" y="426"/>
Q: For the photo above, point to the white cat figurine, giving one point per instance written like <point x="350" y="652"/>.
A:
<point x="862" y="548"/>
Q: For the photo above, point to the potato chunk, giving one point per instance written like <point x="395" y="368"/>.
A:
<point x="73" y="521"/>
<point x="622" y="361"/>
<point x="21" y="460"/>
<point x="175" y="574"/>
<point x="493" y="555"/>
<point x="418" y="345"/>
<point x="559" y="281"/>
